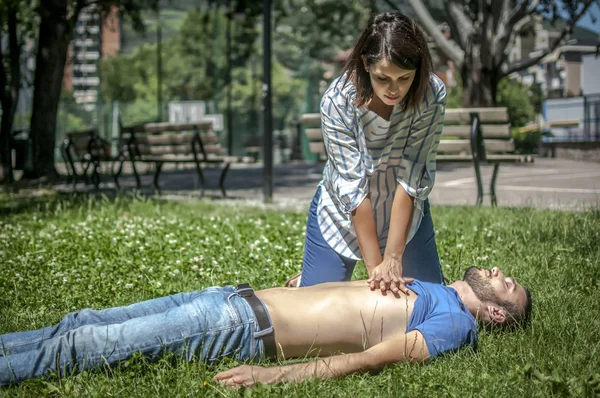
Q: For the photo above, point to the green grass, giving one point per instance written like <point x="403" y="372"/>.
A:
<point x="62" y="255"/>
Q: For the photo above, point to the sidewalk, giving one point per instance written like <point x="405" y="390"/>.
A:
<point x="547" y="183"/>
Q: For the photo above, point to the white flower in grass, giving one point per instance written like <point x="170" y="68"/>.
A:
<point x="459" y="246"/>
<point x="298" y="243"/>
<point x="194" y="268"/>
<point x="129" y="286"/>
<point x="158" y="284"/>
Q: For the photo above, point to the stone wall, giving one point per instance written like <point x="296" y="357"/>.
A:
<point x="587" y="155"/>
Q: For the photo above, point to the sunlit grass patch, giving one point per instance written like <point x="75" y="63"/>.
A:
<point x="62" y="255"/>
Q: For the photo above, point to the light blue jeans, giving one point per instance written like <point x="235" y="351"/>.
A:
<point x="205" y="325"/>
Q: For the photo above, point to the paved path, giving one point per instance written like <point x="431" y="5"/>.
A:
<point x="547" y="183"/>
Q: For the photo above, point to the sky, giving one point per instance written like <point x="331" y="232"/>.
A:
<point x="586" y="20"/>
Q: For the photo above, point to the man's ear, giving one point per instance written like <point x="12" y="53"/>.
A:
<point x="495" y="314"/>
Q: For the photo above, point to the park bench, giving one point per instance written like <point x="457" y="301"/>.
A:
<point x="470" y="135"/>
<point x="87" y="149"/>
<point x="160" y="143"/>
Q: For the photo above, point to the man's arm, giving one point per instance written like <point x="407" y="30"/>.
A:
<point x="410" y="347"/>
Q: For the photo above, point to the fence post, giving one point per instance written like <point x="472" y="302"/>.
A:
<point x="115" y="128"/>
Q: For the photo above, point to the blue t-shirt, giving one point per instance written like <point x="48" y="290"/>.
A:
<point x="442" y="318"/>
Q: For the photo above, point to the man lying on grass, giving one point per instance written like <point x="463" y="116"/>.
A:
<point x="355" y="328"/>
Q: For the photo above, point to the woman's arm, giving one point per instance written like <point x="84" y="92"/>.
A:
<point x="366" y="233"/>
<point x="388" y="273"/>
<point x="415" y="183"/>
<point x="346" y="181"/>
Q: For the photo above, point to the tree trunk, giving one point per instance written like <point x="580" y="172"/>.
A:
<point x="479" y="82"/>
<point x="54" y="37"/>
<point x="10" y="94"/>
<point x="5" y="133"/>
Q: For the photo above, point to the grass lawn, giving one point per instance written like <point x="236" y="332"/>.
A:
<point x="59" y="256"/>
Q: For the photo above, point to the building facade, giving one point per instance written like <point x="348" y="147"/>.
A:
<point x="96" y="36"/>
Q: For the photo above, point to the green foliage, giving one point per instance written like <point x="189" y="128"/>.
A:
<point x="193" y="68"/>
<point x="454" y="97"/>
<point x="518" y="98"/>
<point x="317" y="29"/>
<point x="526" y="142"/>
<point x="63" y="255"/>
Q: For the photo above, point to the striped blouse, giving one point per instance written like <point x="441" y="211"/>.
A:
<point x="367" y="154"/>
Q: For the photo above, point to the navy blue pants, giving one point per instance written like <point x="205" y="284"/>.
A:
<point x="322" y="264"/>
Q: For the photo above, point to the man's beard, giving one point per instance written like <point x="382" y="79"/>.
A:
<point x="481" y="286"/>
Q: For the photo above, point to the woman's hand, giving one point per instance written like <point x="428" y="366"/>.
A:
<point x="388" y="276"/>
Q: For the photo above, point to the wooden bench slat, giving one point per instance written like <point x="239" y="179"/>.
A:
<point x="314" y="135"/>
<point x="460" y="146"/>
<point x="209" y="138"/>
<point x="171" y="139"/>
<point x="486" y="115"/>
<point x="144" y="150"/>
<point x="454" y="158"/>
<point x="509" y="158"/>
<point x="487" y="130"/>
<point x="311" y="119"/>
<point x="317" y="147"/>
<point x="170" y="127"/>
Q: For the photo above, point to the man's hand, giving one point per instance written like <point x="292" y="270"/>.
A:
<point x="248" y="376"/>
<point x="388" y="276"/>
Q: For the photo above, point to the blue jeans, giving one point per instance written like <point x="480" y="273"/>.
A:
<point x="322" y="264"/>
<point x="205" y="325"/>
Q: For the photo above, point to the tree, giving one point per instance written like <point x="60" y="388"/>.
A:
<point x="189" y="72"/>
<point x="484" y="31"/>
<point x="13" y="14"/>
<point x="57" y="20"/>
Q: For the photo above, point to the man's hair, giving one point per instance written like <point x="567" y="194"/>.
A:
<point x="518" y="317"/>
<point x="395" y="37"/>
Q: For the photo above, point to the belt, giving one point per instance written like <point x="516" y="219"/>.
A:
<point x="266" y="333"/>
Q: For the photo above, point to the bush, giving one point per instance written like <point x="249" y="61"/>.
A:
<point x="519" y="99"/>
<point x="526" y="142"/>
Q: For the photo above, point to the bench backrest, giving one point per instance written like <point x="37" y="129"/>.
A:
<point x="160" y="139"/>
<point x="495" y="131"/>
<point x="86" y="142"/>
<point x="311" y="122"/>
<point x="456" y="134"/>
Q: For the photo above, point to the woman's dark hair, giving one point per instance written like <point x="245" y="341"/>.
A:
<point x="395" y="37"/>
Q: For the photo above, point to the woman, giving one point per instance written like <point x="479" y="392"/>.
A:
<point x="381" y="121"/>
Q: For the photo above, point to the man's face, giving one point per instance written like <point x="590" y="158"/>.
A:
<point x="492" y="287"/>
<point x="390" y="83"/>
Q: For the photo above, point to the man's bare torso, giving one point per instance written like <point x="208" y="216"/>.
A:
<point x="330" y="318"/>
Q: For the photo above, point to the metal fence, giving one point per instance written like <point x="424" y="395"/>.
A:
<point x="573" y="119"/>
